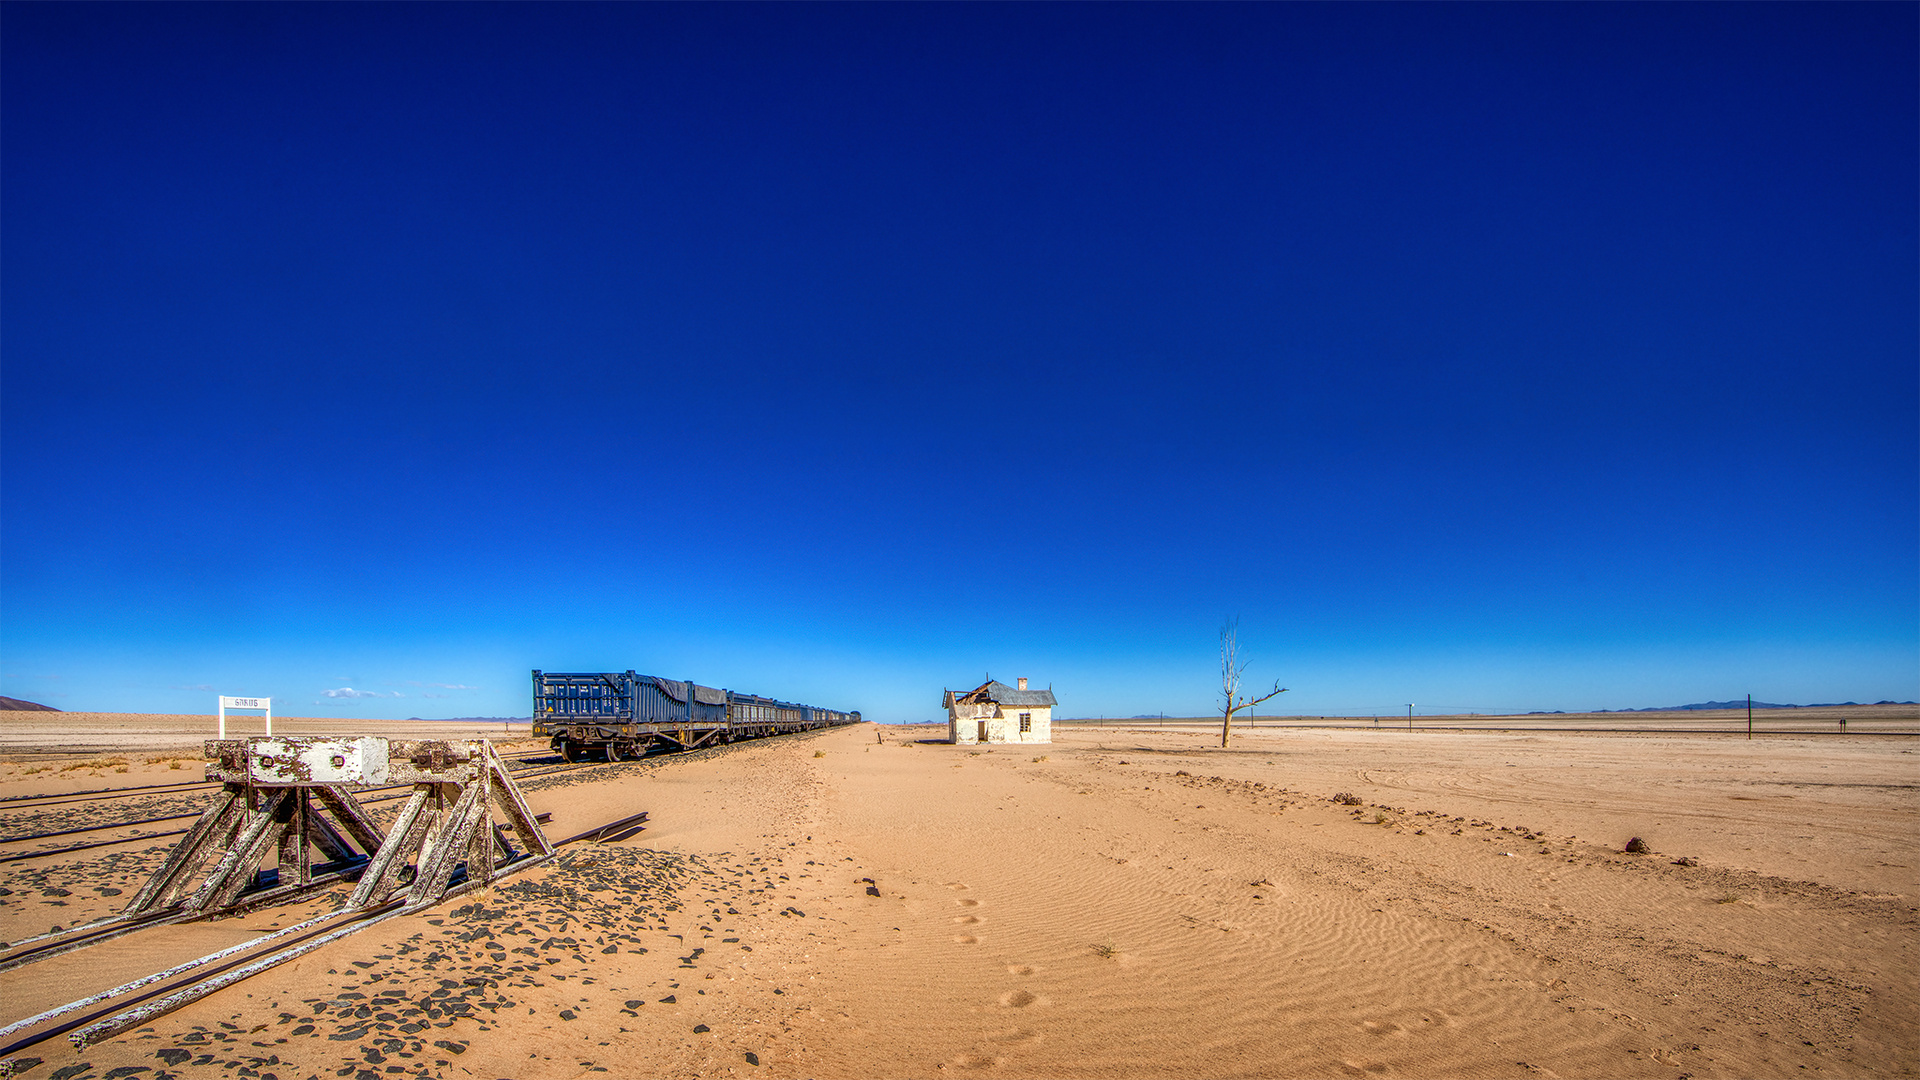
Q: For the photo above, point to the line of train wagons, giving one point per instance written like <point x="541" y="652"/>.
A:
<point x="623" y="715"/>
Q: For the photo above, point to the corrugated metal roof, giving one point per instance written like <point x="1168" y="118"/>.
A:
<point x="677" y="690"/>
<point x="1001" y="694"/>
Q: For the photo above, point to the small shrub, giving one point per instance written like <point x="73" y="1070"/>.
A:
<point x="1106" y="951"/>
<point x="1346" y="798"/>
<point x="819" y="753"/>
<point x="1040" y="759"/>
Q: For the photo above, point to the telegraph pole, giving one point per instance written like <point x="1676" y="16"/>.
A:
<point x="1749" y="716"/>
<point x="1409" y="716"/>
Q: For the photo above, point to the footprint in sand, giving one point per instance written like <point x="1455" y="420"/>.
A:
<point x="966" y="939"/>
<point x="975" y="1061"/>
<point x="1362" y="1068"/>
<point x="1019" y="1035"/>
<point x="968" y="903"/>
<point x="956" y="886"/>
<point x="1378" y="1027"/>
<point x="967" y="919"/>
<point x="1019" y="969"/>
<point x="1020" y="999"/>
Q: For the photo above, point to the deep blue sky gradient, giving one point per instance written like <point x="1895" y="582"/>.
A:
<point x="1487" y="357"/>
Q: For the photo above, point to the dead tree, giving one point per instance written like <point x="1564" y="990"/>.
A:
<point x="1231" y="668"/>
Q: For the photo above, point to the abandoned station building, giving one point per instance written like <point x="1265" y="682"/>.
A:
<point x="994" y="712"/>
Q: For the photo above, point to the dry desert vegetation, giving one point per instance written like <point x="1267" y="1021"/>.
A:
<point x="1128" y="901"/>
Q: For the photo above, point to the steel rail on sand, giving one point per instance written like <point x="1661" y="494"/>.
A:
<point x="110" y="1012"/>
<point x="147" y="998"/>
<point x="56" y="798"/>
<point x="532" y="774"/>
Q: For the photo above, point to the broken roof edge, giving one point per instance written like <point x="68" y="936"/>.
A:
<point x="1001" y="694"/>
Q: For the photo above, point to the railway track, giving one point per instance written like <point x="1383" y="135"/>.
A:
<point x="122" y="1008"/>
<point x="110" y="1012"/>
<point x="183" y="787"/>
<point x="192" y="787"/>
<point x="48" y="853"/>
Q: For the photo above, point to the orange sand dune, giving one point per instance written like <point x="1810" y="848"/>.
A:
<point x="1128" y="903"/>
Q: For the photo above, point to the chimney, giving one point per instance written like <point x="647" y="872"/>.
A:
<point x="1023" y="682"/>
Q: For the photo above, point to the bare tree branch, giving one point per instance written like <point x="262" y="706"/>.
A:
<point x="1232" y="668"/>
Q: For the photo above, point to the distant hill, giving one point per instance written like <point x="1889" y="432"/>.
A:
<point x="1741" y="704"/>
<point x="8" y="704"/>
<point x="474" y="719"/>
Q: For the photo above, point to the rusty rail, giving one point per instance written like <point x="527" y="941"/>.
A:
<point x="619" y="830"/>
<point x="155" y="995"/>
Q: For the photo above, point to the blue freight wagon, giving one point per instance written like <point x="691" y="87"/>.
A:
<point x="622" y="714"/>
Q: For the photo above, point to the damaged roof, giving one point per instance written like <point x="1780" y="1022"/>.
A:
<point x="1001" y="694"/>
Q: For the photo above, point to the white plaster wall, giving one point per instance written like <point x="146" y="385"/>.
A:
<point x="1003" y="726"/>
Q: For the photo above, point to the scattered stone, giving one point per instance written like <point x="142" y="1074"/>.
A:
<point x="1637" y="846"/>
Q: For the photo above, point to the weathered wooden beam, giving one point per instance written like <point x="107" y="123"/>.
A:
<point x="383" y="872"/>
<point x="506" y="794"/>
<point x="168" y="882"/>
<point x="352" y="817"/>
<point x="235" y="869"/>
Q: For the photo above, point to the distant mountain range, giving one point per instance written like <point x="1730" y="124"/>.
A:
<point x="1741" y="704"/>
<point x="9" y="704"/>
<point x="476" y="719"/>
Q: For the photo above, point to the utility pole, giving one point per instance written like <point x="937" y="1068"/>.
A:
<point x="1749" y="716"/>
<point x="1409" y="716"/>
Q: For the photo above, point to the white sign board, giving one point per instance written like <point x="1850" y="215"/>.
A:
<point x="244" y="703"/>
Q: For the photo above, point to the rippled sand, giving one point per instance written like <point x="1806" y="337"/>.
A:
<point x="1136" y="902"/>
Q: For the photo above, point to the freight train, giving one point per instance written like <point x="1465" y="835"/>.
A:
<point x="622" y="715"/>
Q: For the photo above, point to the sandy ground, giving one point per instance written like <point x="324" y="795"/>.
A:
<point x="39" y="736"/>
<point x="1124" y="902"/>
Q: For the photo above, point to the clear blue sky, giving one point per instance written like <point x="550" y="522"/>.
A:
<point x="1490" y="358"/>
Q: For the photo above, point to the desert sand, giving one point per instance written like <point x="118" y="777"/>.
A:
<point x="1128" y="901"/>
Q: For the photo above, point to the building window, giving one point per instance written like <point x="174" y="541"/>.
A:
<point x="1026" y="721"/>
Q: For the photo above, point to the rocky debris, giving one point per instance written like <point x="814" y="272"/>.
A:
<point x="473" y="964"/>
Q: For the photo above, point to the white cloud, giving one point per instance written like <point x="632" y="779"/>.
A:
<point x="350" y="692"/>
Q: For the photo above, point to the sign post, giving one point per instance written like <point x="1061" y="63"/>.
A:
<point x="226" y="703"/>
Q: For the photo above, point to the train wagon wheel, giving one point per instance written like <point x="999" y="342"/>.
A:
<point x="572" y="751"/>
